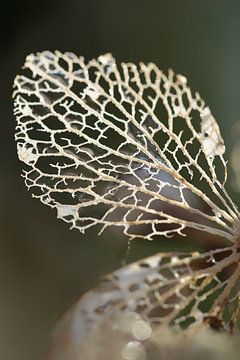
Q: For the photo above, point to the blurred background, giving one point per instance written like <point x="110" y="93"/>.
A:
<point x="44" y="267"/>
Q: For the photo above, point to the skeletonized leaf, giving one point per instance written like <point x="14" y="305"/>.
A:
<point x="177" y="289"/>
<point x="121" y="145"/>
<point x="129" y="146"/>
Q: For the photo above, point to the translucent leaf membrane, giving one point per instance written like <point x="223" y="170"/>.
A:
<point x="163" y="345"/>
<point x="142" y="299"/>
<point x="121" y="145"/>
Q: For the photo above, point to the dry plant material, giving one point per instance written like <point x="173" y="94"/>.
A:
<point x="129" y="146"/>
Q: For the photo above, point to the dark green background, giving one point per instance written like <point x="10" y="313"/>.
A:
<point x="43" y="266"/>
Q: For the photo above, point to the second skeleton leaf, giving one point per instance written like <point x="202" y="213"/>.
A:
<point x="129" y="146"/>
